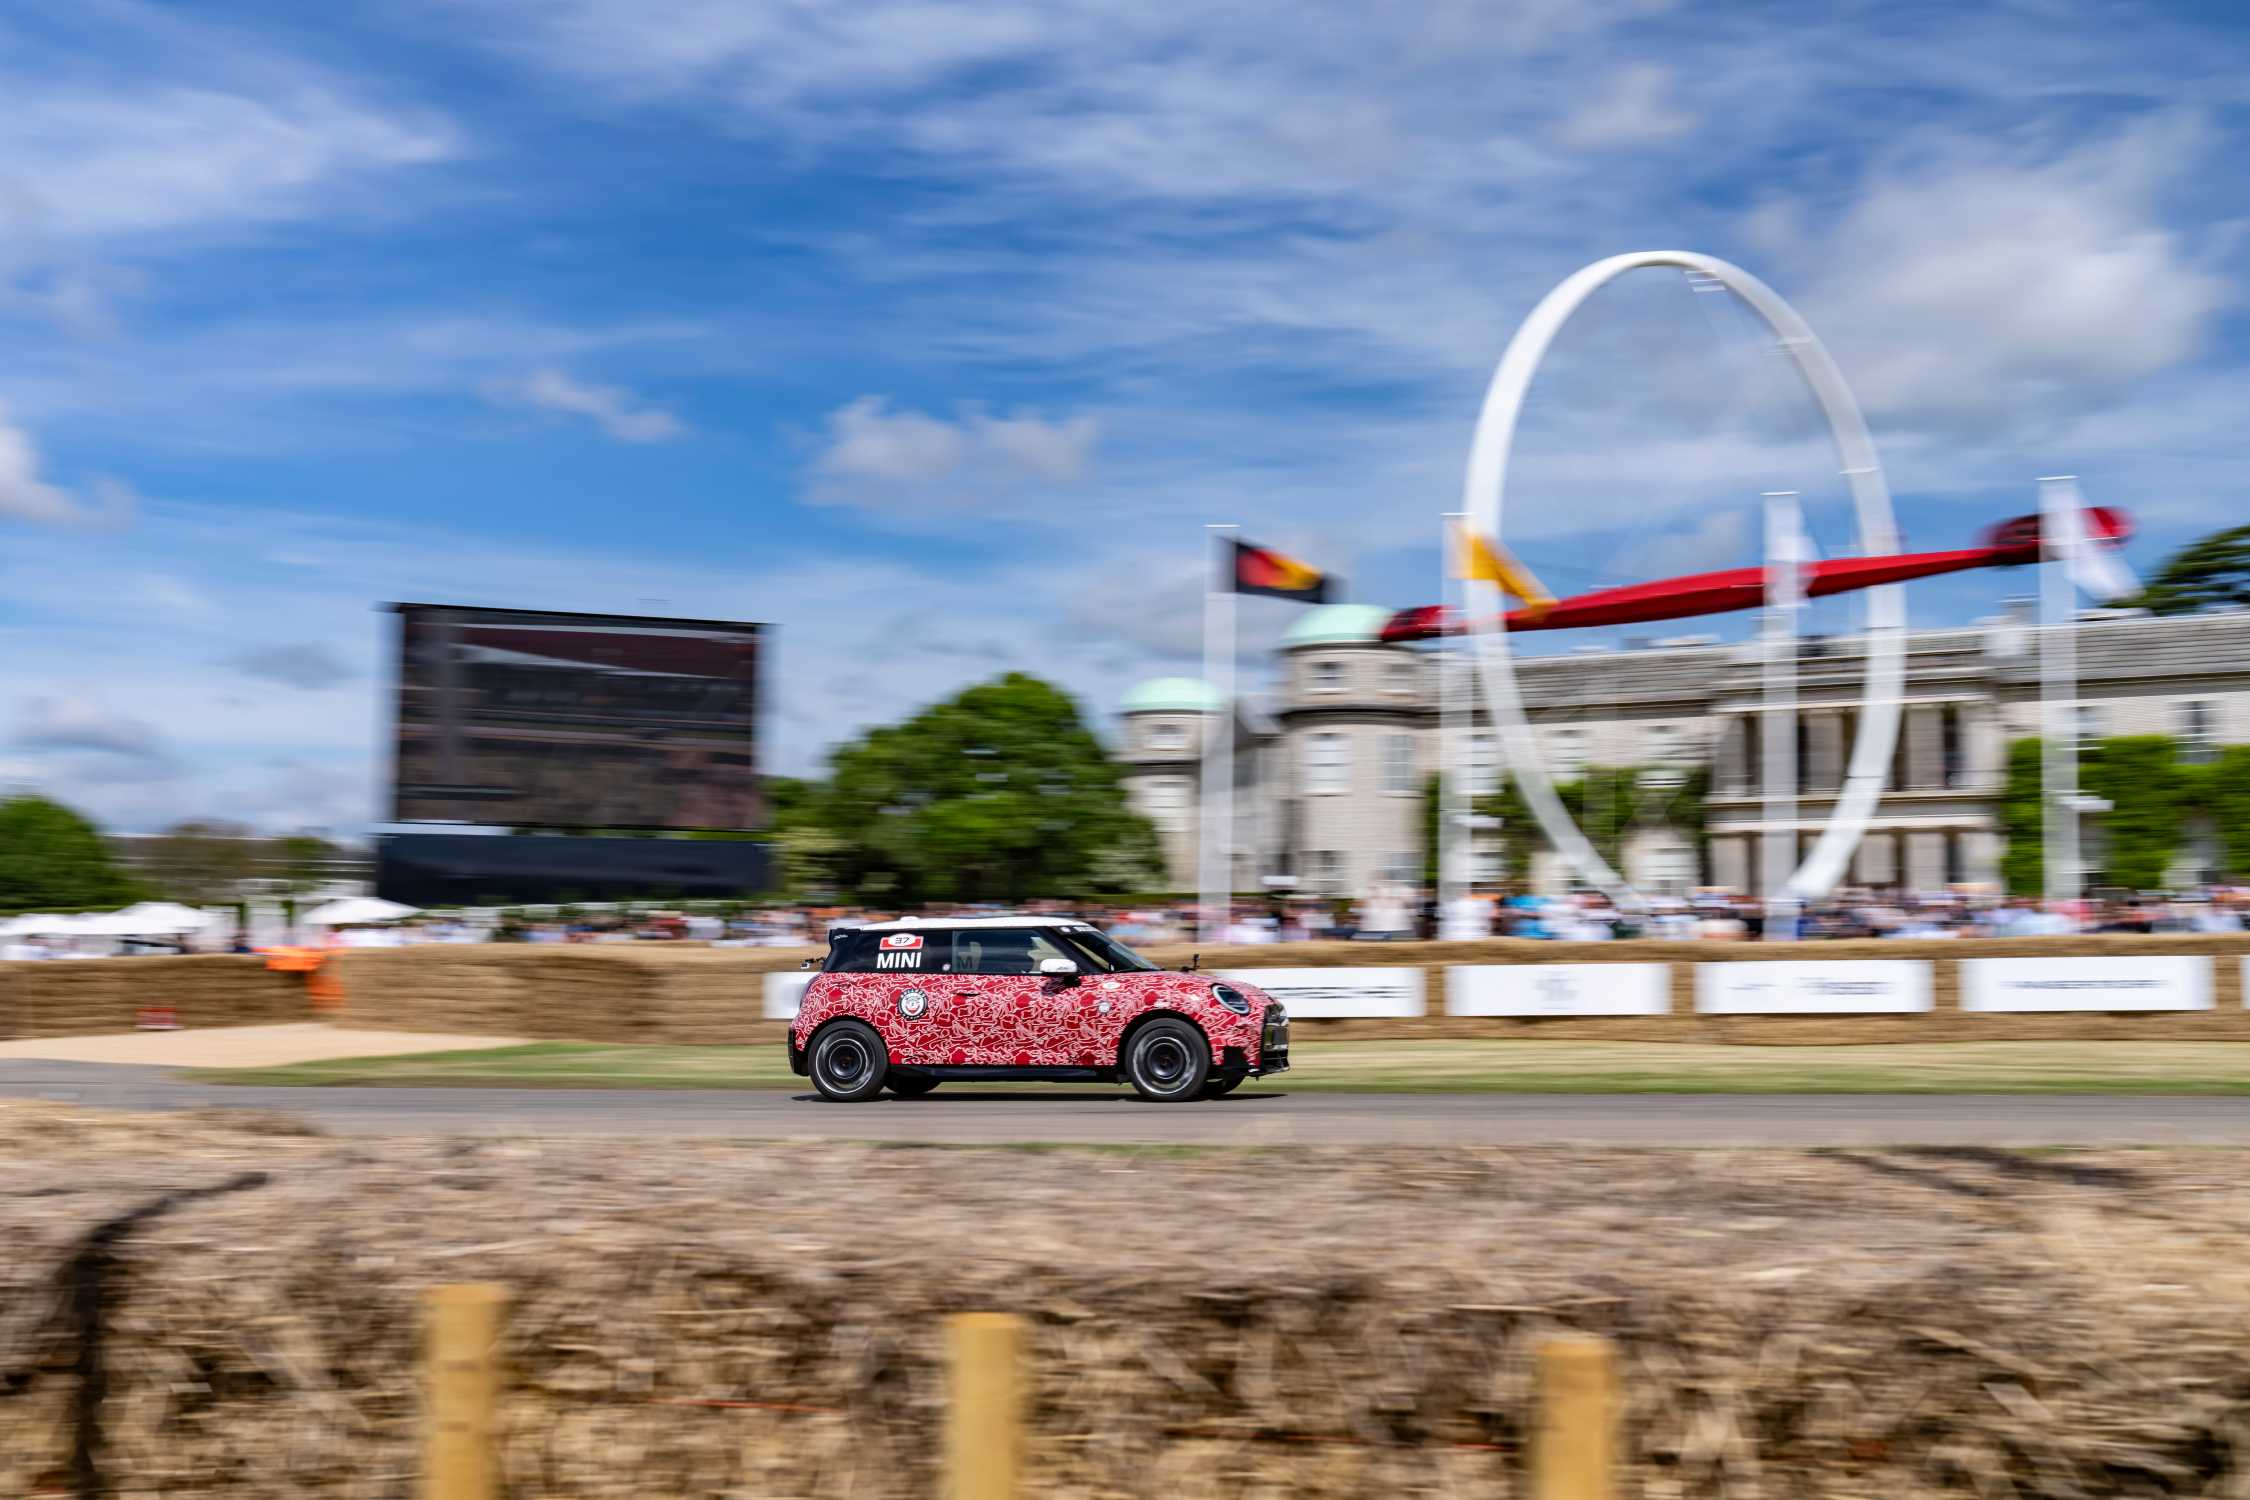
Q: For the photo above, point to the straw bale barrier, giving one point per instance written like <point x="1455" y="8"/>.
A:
<point x="727" y="1319"/>
<point x="657" y="993"/>
<point x="694" y="995"/>
<point x="103" y="995"/>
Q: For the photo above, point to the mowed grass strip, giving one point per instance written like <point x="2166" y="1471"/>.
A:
<point x="1409" y="1067"/>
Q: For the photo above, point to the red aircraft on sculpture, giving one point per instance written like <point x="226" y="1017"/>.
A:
<point x="2009" y="544"/>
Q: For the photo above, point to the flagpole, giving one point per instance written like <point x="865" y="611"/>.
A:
<point x="2058" y="690"/>
<point x="1215" y="846"/>
<point x="1452" y="788"/>
<point x="1784" y="592"/>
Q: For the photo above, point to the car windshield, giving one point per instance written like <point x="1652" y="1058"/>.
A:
<point x="1108" y="955"/>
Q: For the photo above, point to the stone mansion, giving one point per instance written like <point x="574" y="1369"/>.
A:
<point x="1331" y="768"/>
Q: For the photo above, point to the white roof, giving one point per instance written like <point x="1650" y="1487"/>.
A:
<point x="353" y="910"/>
<point x="925" y="924"/>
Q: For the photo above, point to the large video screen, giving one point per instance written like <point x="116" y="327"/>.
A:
<point x="525" y="718"/>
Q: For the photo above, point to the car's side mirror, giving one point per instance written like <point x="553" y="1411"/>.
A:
<point x="1057" y="968"/>
<point x="804" y="963"/>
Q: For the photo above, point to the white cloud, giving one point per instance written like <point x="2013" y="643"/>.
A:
<point x="94" y="742"/>
<point x="1636" y="107"/>
<point x="26" y="496"/>
<point x="881" y="459"/>
<point x="1988" y="285"/>
<point x="617" y="411"/>
<point x="307" y="665"/>
<point x="99" y="162"/>
<point x="1715" y="539"/>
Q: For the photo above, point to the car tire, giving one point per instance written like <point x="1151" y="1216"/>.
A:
<point x="1219" y="1088"/>
<point x="910" y="1085"/>
<point x="1167" y="1061"/>
<point x="848" y="1062"/>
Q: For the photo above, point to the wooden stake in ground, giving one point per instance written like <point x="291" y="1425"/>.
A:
<point x="1574" y="1449"/>
<point x="984" y="1413"/>
<point x="460" y="1457"/>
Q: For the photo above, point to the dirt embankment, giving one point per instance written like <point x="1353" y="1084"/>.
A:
<point x="720" y="1319"/>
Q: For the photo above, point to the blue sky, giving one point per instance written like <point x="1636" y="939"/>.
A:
<point x="933" y="333"/>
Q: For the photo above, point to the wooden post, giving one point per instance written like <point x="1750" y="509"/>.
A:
<point x="1574" y="1449"/>
<point x="462" y="1366"/>
<point x="984" y="1416"/>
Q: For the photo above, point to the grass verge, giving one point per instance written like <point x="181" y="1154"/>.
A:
<point x="1408" y="1067"/>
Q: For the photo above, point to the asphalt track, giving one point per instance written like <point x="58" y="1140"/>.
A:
<point x="1257" y="1115"/>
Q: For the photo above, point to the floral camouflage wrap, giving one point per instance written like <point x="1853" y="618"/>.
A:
<point x="1005" y="1020"/>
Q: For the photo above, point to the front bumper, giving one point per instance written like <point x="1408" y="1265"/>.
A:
<point x="1273" y="1043"/>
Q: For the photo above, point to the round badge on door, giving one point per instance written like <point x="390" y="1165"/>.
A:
<point x="911" y="1004"/>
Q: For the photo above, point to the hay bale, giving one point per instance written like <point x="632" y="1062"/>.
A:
<point x="690" y="995"/>
<point x="93" y="996"/>
<point x="1803" y="1325"/>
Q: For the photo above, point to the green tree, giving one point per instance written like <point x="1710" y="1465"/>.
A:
<point x="52" y="859"/>
<point x="2221" y="791"/>
<point x="2023" y="865"/>
<point x="2140" y="776"/>
<point x="2213" y="571"/>
<point x="203" y="861"/>
<point x="1607" y="803"/>
<point x="999" y="793"/>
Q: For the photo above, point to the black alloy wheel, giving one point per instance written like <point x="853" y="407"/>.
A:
<point x="1167" y="1060"/>
<point x="849" y="1061"/>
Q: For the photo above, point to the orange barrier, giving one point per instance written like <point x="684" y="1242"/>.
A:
<point x="322" y="985"/>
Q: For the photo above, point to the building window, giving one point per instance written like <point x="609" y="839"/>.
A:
<point x="1675" y="869"/>
<point x="1664" y="745"/>
<point x="1398" y="679"/>
<point x="1398" y="763"/>
<point x="2086" y="725"/>
<point x="1165" y="800"/>
<point x="1327" y="676"/>
<point x="1484" y="766"/>
<point x="1404" y="869"/>
<point x="1167" y="737"/>
<point x="1485" y="867"/>
<point x="1327" y="869"/>
<point x="2198" y="739"/>
<point x="1328" y="764"/>
<point x="1567" y="753"/>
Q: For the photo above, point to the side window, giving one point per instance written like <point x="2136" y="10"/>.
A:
<point x="890" y="952"/>
<point x="1007" y="950"/>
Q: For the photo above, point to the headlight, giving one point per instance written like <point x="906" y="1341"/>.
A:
<point x="1232" y="998"/>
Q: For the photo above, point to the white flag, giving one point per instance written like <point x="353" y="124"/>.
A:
<point x="2098" y="572"/>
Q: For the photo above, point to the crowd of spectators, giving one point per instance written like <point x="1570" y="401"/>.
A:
<point x="1389" y="915"/>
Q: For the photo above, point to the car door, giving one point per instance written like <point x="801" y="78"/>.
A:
<point x="1001" y="1011"/>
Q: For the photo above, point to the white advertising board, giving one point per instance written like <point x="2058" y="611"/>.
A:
<point x="2093" y="982"/>
<point x="784" y="991"/>
<point x="1338" y="994"/>
<point x="1813" y="987"/>
<point x="1558" y="990"/>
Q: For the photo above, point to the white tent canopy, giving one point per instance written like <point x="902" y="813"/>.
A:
<point x="148" y="919"/>
<point x="354" y="910"/>
<point x="161" y="919"/>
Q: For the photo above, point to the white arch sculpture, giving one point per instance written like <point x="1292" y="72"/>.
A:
<point x="1485" y="493"/>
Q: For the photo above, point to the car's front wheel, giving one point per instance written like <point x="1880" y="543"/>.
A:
<point x="1167" y="1060"/>
<point x="848" y="1062"/>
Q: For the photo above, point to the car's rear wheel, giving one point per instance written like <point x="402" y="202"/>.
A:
<point x="848" y="1062"/>
<point x="910" y="1085"/>
<point x="1167" y="1060"/>
<point x="1219" y="1088"/>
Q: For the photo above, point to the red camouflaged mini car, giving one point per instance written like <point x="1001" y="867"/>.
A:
<point x="909" y="1005"/>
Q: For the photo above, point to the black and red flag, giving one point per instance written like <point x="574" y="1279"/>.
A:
<point x="1261" y="570"/>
